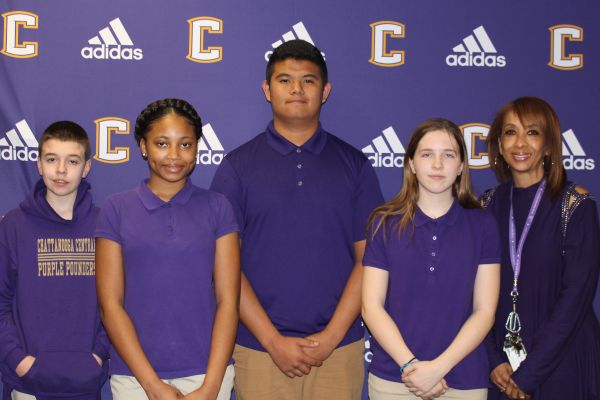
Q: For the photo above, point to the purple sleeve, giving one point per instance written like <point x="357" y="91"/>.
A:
<point x="11" y="350"/>
<point x="490" y="246"/>
<point x="223" y="217"/>
<point x="227" y="182"/>
<point x="375" y="251"/>
<point x="581" y="265"/>
<point x="108" y="225"/>
<point x="367" y="197"/>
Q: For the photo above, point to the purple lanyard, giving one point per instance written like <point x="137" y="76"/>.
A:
<point x="515" y="253"/>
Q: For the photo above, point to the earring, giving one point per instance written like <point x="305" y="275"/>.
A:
<point x="144" y="155"/>
<point x="495" y="160"/>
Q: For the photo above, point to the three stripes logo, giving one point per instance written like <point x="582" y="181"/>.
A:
<point x="476" y="50"/>
<point x="298" y="32"/>
<point x="19" y="144"/>
<point x="386" y="151"/>
<point x="112" y="43"/>
<point x="574" y="156"/>
<point x="210" y="149"/>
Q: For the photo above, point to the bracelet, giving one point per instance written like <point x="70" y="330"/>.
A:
<point x="411" y="361"/>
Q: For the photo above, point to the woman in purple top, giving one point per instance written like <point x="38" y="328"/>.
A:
<point x="550" y="236"/>
<point x="431" y="276"/>
<point x="168" y="277"/>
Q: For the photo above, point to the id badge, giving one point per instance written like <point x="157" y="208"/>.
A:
<point x="515" y="357"/>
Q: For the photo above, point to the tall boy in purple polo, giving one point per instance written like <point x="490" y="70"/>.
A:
<point x="301" y="197"/>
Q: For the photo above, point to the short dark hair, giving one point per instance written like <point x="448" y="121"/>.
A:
<point x="163" y="107"/>
<point x="297" y="49"/>
<point x="66" y="131"/>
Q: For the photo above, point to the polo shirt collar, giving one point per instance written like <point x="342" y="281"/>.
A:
<point x="152" y="201"/>
<point x="448" y="219"/>
<point x="314" y="145"/>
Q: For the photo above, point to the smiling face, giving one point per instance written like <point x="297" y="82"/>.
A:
<point x="436" y="163"/>
<point x="296" y="92"/>
<point x="523" y="146"/>
<point x="170" y="147"/>
<point x="62" y="165"/>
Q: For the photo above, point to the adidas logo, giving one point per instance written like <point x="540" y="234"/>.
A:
<point x="574" y="156"/>
<point x="386" y="150"/>
<point x="112" y="43"/>
<point x="13" y="148"/>
<point x="477" y="51"/>
<point x="210" y="149"/>
<point x="300" y="33"/>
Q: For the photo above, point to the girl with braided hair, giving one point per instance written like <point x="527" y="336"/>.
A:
<point x="167" y="270"/>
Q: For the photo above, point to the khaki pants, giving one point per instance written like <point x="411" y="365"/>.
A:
<point x="125" y="387"/>
<point x="21" y="396"/>
<point x="339" y="378"/>
<point x="381" y="389"/>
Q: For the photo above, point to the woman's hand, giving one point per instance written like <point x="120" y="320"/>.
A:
<point x="500" y="376"/>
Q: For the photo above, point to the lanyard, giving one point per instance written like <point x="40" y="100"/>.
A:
<point x="513" y="344"/>
<point x="516" y="252"/>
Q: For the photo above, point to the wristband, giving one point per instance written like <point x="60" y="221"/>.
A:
<point x="403" y="366"/>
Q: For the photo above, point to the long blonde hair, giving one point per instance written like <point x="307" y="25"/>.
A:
<point x="405" y="202"/>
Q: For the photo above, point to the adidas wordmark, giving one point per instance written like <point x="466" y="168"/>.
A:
<point x="112" y="43"/>
<point x="476" y="50"/>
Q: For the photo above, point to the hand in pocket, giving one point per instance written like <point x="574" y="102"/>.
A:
<point x="24" y="366"/>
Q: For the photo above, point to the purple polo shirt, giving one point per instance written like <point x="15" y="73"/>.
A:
<point x="168" y="259"/>
<point x="300" y="211"/>
<point x="430" y="289"/>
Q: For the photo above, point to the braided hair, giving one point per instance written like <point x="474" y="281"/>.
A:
<point x="161" y="108"/>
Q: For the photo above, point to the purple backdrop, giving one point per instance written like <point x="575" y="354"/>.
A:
<point x="392" y="64"/>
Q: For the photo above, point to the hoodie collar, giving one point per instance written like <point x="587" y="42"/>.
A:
<point x="36" y="203"/>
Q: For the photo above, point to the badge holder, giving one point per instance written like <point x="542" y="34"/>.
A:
<point x="513" y="345"/>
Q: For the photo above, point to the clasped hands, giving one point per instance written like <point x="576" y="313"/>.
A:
<point x="501" y="376"/>
<point x="296" y="356"/>
<point x="425" y="379"/>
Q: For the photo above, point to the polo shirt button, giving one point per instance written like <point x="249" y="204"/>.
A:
<point x="433" y="254"/>
<point x="434" y="237"/>
<point x="299" y="166"/>
<point x="298" y="150"/>
<point x="299" y="183"/>
<point x="431" y="269"/>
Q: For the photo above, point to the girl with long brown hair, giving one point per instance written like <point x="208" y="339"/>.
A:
<point x="431" y="276"/>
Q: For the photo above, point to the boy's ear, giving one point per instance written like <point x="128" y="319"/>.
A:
<point x="86" y="168"/>
<point x="39" y="165"/>
<point x="326" y="92"/>
<point x="266" y="90"/>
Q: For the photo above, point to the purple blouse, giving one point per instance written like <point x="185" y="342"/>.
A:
<point x="559" y="328"/>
